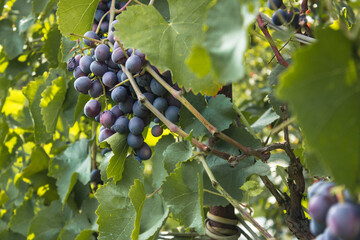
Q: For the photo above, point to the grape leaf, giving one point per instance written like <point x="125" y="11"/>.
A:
<point x="48" y="222"/>
<point x="52" y="45"/>
<point x="137" y="196"/>
<point x="227" y="37"/>
<point x="8" y="235"/>
<point x="19" y="222"/>
<point x="65" y="48"/>
<point x="76" y="17"/>
<point x="183" y="193"/>
<point x="52" y="99"/>
<point x="11" y="41"/>
<point x="175" y="153"/>
<point x="171" y="40"/>
<point x="219" y="112"/>
<point x="267" y="118"/>
<point x="39" y="5"/>
<point x="327" y="114"/>
<point x="79" y="110"/>
<point x="72" y="164"/>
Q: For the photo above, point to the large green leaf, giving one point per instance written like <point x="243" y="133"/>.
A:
<point x="48" y="222"/>
<point x="218" y="111"/>
<point x="175" y="153"/>
<point x="20" y="221"/>
<point x="171" y="40"/>
<point x="74" y="163"/>
<point x="137" y="196"/>
<point x="183" y="193"/>
<point x="52" y="45"/>
<point x="227" y="37"/>
<point x="8" y="235"/>
<point x="11" y="41"/>
<point x="76" y="17"/>
<point x="325" y="97"/>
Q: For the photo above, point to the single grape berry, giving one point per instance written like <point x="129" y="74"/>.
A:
<point x="116" y="111"/>
<point x="104" y="134"/>
<point x="135" y="141"/>
<point x="150" y="97"/>
<point x="102" y="52"/>
<point x="105" y="151"/>
<point x="172" y="101"/>
<point x="92" y="108"/>
<point x="319" y="206"/>
<point x="144" y="152"/>
<point x="133" y="64"/>
<point x="83" y="84"/>
<point x="274" y="4"/>
<point x="140" y="55"/>
<point x="91" y="34"/>
<point x="156" y="131"/>
<point x="118" y="56"/>
<point x="160" y="104"/>
<point x="85" y="63"/>
<point x="109" y="79"/>
<point x="119" y="94"/>
<point x="104" y="26"/>
<point x="126" y="106"/>
<point x="316" y="228"/>
<point x="107" y="118"/>
<point x="112" y="25"/>
<point x="95" y="176"/>
<point x="140" y="110"/>
<point x="96" y="89"/>
<point x="121" y="125"/>
<point x="98" y="14"/>
<point x="312" y="191"/>
<point x="136" y="125"/>
<point x="71" y="64"/>
<point x="157" y="88"/>
<point x="78" y="73"/>
<point x="111" y="64"/>
<point x="144" y="80"/>
<point x="172" y="113"/>
<point x="279" y="17"/>
<point x="98" y="68"/>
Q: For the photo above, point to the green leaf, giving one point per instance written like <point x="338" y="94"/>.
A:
<point x="52" y="99"/>
<point x="158" y="170"/>
<point x="199" y="61"/>
<point x="39" y="5"/>
<point x="175" y="153"/>
<point x="33" y="93"/>
<point x="171" y="41"/>
<point x="48" y="222"/>
<point x="19" y="222"/>
<point x="219" y="112"/>
<point x="252" y="188"/>
<point x="65" y="48"/>
<point x="324" y="95"/>
<point x="76" y="17"/>
<point x="11" y="41"/>
<point x="120" y="148"/>
<point x="227" y="37"/>
<point x="267" y="118"/>
<point x="25" y="24"/>
<point x="79" y="110"/>
<point x="85" y="234"/>
<point x="8" y="235"/>
<point x="115" y="207"/>
<point x="52" y="45"/>
<point x="183" y="193"/>
<point x="137" y="196"/>
<point x="74" y="163"/>
<point x="22" y="7"/>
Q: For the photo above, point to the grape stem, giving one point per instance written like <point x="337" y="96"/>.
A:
<point x="93" y="145"/>
<point x="172" y="127"/>
<point x="212" y="129"/>
<point x="122" y="48"/>
<point x="81" y="36"/>
<point x="100" y="22"/>
<point x="263" y="27"/>
<point x="245" y="215"/>
<point x="245" y="122"/>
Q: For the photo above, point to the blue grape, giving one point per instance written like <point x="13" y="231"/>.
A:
<point x="279" y="17"/>
<point x="116" y="111"/>
<point x="107" y="118"/>
<point x="95" y="176"/>
<point x="77" y="59"/>
<point x="138" y="158"/>
<point x="118" y="56"/>
<point x="116" y="45"/>
<point x="111" y="37"/>
<point x="78" y="73"/>
<point x="135" y="141"/>
<point x="102" y="52"/>
<point x="109" y="79"/>
<point x="96" y="89"/>
<point x="127" y="105"/>
<point x="91" y="34"/>
<point x="156" y="131"/>
<point x="85" y="63"/>
<point x="119" y="94"/>
<point x="144" y="80"/>
<point x="144" y="152"/>
<point x="123" y="78"/>
<point x="111" y="64"/>
<point x="104" y="26"/>
<point x="112" y="25"/>
<point x="71" y="64"/>
<point x="316" y="228"/>
<point x="92" y="108"/>
<point x="319" y="206"/>
<point x="150" y="97"/>
<point x="98" y="14"/>
<point x="98" y="68"/>
<point x="172" y="114"/>
<point x="343" y="220"/>
<point x="121" y="125"/>
<point x="105" y="151"/>
<point x="139" y="110"/>
<point x="274" y="4"/>
<point x="140" y="55"/>
<point x="172" y="101"/>
<point x="160" y="104"/>
<point x="104" y="134"/>
<point x="133" y="64"/>
<point x="156" y="120"/>
<point x="83" y="84"/>
<point x="136" y="125"/>
<point x="313" y="189"/>
<point x="103" y="6"/>
<point x="157" y="88"/>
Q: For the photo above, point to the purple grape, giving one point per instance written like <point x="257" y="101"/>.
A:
<point x="97" y="118"/>
<point x="274" y="4"/>
<point x="107" y="118"/>
<point x="85" y="63"/>
<point x="313" y="189"/>
<point x="135" y="141"/>
<point x="319" y="206"/>
<point x="156" y="131"/>
<point x="144" y="152"/>
<point x="136" y="125"/>
<point x="83" y="84"/>
<point x="172" y="114"/>
<point x="102" y="52"/>
<point x="144" y="80"/>
<point x="133" y="64"/>
<point x="160" y="104"/>
<point x="98" y="68"/>
<point x="111" y="37"/>
<point x="98" y="15"/>
<point x="103" y="6"/>
<point x="91" y="34"/>
<point x="123" y="78"/>
<point x="111" y="64"/>
<point x="157" y="88"/>
<point x="104" y="26"/>
<point x="343" y="220"/>
<point x="116" y="45"/>
<point x="121" y="125"/>
<point x="116" y="111"/>
<point x="71" y="64"/>
<point x="140" y="55"/>
<point x="150" y="97"/>
<point x="316" y="228"/>
<point x="92" y="108"/>
<point x="95" y="176"/>
<point x="139" y="110"/>
<point x="96" y="89"/>
<point x="127" y="105"/>
<point x="104" y="134"/>
<point x="78" y="73"/>
<point x="77" y="59"/>
<point x="112" y="25"/>
<point x="118" y="56"/>
<point x="172" y="101"/>
<point x="156" y="120"/>
<point x="94" y="26"/>
<point x="279" y="17"/>
<point x="109" y="79"/>
<point x="119" y="94"/>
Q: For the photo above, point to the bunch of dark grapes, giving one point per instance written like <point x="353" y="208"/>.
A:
<point x="99" y="74"/>
<point x="333" y="218"/>
<point x="281" y="16"/>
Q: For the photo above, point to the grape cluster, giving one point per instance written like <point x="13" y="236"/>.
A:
<point x="333" y="219"/>
<point x="99" y="73"/>
<point x="281" y="16"/>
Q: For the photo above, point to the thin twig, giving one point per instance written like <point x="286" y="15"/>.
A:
<point x="153" y="193"/>
<point x="91" y="39"/>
